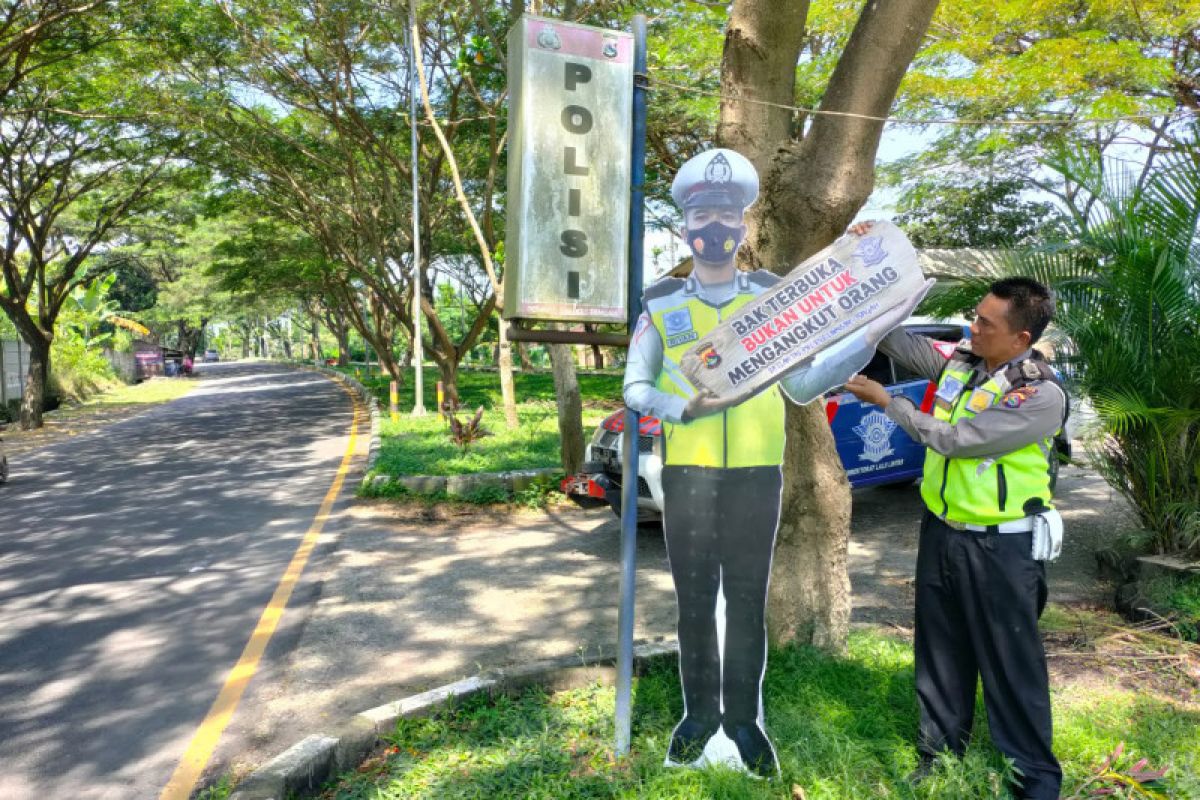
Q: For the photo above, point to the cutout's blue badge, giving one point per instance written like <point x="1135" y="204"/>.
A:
<point x="677" y="321"/>
<point x="678" y="327"/>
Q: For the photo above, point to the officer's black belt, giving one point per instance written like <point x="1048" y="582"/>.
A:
<point x="1023" y="525"/>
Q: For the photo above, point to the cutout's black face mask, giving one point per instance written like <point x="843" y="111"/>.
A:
<point x="715" y="242"/>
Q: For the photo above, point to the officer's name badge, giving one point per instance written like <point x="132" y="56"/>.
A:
<point x="980" y="399"/>
<point x="678" y="327"/>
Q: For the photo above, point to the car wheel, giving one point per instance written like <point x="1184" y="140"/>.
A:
<point x="646" y="517"/>
<point x="3" y="469"/>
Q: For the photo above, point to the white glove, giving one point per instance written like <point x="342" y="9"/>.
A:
<point x="1047" y="536"/>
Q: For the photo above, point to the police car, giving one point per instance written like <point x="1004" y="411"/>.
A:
<point x="873" y="449"/>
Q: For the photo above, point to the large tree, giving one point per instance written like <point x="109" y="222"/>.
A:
<point x="80" y="153"/>
<point x="1120" y="78"/>
<point x="816" y="174"/>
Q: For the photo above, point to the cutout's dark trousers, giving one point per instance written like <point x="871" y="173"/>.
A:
<point x="979" y="597"/>
<point x="720" y="526"/>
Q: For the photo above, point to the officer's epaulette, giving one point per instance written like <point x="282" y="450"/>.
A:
<point x="963" y="353"/>
<point x="1031" y="369"/>
<point x="662" y="288"/>
<point x="762" y="277"/>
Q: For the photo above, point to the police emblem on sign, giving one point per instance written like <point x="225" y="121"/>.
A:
<point x="871" y="251"/>
<point x="718" y="170"/>
<point x="875" y="430"/>
<point x="710" y="357"/>
<point x="677" y="325"/>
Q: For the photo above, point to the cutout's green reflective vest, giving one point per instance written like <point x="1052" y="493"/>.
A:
<point x="747" y="435"/>
<point x="988" y="491"/>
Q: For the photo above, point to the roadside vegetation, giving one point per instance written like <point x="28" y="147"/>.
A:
<point x="844" y="727"/>
<point x="1126" y="269"/>
<point x="424" y="446"/>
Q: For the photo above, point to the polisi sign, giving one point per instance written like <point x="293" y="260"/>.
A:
<point x="570" y="105"/>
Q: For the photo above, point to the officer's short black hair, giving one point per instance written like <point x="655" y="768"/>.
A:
<point x="1030" y="305"/>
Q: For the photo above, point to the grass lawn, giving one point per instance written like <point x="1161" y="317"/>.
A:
<point x="422" y="446"/>
<point x="844" y="728"/>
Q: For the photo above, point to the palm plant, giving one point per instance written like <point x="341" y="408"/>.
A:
<point x="1127" y="281"/>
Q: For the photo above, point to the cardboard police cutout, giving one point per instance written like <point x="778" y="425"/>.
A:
<point x="721" y="473"/>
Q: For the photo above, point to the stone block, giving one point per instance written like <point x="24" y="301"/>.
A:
<point x="423" y="484"/>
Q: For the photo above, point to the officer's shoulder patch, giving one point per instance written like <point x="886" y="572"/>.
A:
<point x="761" y="277"/>
<point x="662" y="288"/>
<point x="1016" y="397"/>
<point x="944" y="349"/>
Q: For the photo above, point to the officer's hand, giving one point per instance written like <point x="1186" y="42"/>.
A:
<point x="868" y="391"/>
<point x="881" y="325"/>
<point x="704" y="403"/>
<point x="861" y="228"/>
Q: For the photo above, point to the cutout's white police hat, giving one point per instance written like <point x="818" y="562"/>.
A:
<point x="716" y="178"/>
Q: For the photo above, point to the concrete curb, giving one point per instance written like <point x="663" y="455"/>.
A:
<point x="368" y="399"/>
<point x="460" y="485"/>
<point x="305" y="766"/>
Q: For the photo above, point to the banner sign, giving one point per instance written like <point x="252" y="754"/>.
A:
<point x="836" y="292"/>
<point x="570" y="127"/>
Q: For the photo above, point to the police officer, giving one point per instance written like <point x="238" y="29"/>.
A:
<point x="990" y="469"/>
<point x="721" y="476"/>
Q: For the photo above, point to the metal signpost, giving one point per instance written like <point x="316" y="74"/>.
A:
<point x="414" y="90"/>
<point x="629" y="466"/>
<point x="577" y="126"/>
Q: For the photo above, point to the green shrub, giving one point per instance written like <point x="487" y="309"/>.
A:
<point x="78" y="372"/>
<point x="1179" y="599"/>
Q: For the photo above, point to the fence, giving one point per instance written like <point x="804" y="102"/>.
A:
<point x="14" y="363"/>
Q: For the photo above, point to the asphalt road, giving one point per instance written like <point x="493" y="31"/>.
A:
<point x="134" y="563"/>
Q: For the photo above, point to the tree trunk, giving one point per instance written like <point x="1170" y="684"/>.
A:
<point x="448" y="368"/>
<point x="314" y="342"/>
<point x="37" y="380"/>
<point x="523" y="355"/>
<point x="508" y="392"/>
<point x="570" y="407"/>
<point x="811" y="189"/>
<point x="341" y="332"/>
<point x="286" y="341"/>
<point x="597" y="354"/>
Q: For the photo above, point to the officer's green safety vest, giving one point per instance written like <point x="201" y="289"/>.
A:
<point x="747" y="435"/>
<point x="987" y="491"/>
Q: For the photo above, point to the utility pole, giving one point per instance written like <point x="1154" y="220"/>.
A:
<point x="413" y="90"/>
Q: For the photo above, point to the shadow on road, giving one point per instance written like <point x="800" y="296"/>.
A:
<point x="134" y="562"/>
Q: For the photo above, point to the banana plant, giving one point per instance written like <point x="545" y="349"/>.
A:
<point x="93" y="306"/>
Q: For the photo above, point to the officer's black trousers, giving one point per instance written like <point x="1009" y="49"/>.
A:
<point x="979" y="597"/>
<point x="720" y="531"/>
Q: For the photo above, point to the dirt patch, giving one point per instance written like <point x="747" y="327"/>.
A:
<point x="1094" y="648"/>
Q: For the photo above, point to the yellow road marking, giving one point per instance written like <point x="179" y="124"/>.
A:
<point x="200" y="749"/>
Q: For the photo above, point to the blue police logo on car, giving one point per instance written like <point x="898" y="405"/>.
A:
<point x="875" y="430"/>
